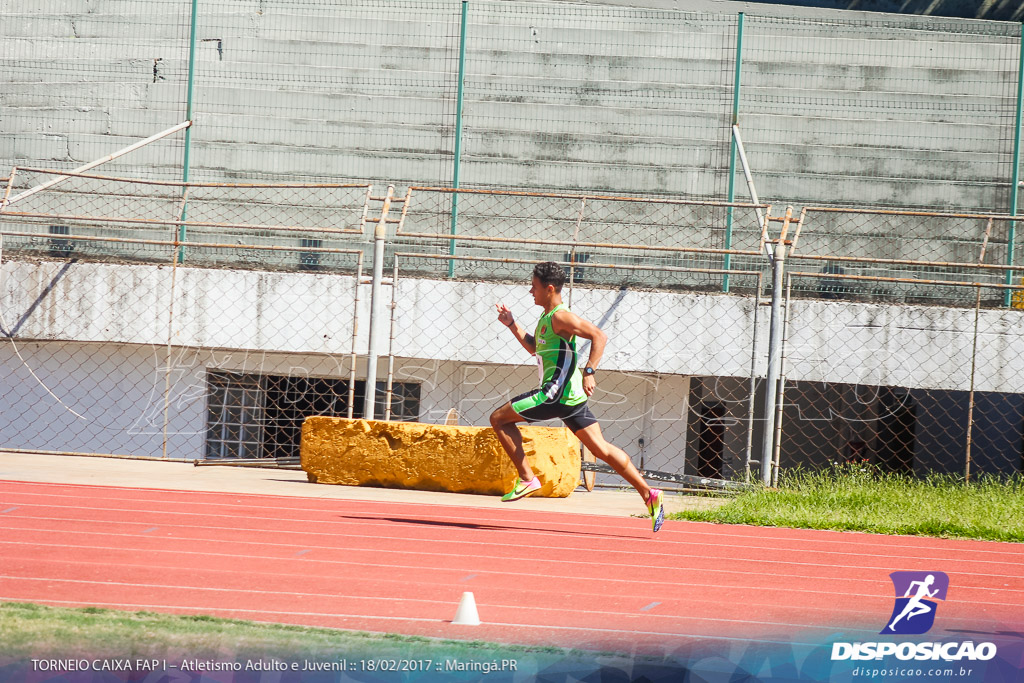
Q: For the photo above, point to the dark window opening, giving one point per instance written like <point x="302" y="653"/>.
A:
<point x="310" y="260"/>
<point x="261" y="416"/>
<point x="60" y="247"/>
<point x="710" y="440"/>
<point x="897" y="422"/>
<point x="578" y="273"/>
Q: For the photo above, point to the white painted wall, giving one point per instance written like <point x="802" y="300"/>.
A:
<point x="109" y="398"/>
<point x="87" y="367"/>
<point x="440" y="320"/>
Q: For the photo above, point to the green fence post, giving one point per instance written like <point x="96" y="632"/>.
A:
<point x="727" y="263"/>
<point x="458" y="135"/>
<point x="188" y="131"/>
<point x="1015" y="175"/>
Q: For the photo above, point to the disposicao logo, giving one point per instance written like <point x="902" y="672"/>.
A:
<point x="916" y="594"/>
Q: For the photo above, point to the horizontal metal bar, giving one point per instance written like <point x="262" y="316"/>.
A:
<point x="570" y="243"/>
<point x="579" y="264"/>
<point x="905" y="280"/>
<point x="173" y="183"/>
<point x="929" y="214"/>
<point x="689" y="480"/>
<point x="283" y="463"/>
<point x="567" y="195"/>
<point x="114" y="456"/>
<point x="904" y="262"/>
<point x="177" y="243"/>
<point x="193" y="224"/>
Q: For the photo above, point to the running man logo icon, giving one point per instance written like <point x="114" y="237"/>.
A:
<point x="914" y="611"/>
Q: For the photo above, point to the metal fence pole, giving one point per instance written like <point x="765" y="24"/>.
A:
<point x="970" y="395"/>
<point x="458" y="134"/>
<point x="727" y="262"/>
<point x="1015" y="173"/>
<point x="774" y="356"/>
<point x="378" y="275"/>
<point x="187" y="159"/>
<point x="780" y="402"/>
<point x="753" y="381"/>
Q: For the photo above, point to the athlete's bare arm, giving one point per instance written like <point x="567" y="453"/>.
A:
<point x="567" y="324"/>
<point x="506" y="319"/>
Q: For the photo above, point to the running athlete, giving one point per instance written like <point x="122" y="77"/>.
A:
<point x="564" y="390"/>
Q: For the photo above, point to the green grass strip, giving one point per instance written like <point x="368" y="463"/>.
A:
<point x="30" y="630"/>
<point x="859" y="498"/>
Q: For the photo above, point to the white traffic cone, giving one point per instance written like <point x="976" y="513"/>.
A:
<point x="466" y="613"/>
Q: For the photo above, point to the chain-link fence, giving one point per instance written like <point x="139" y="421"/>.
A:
<point x="668" y="384"/>
<point x="886" y="111"/>
<point x="83" y="79"/>
<point x="841" y="110"/>
<point x="908" y="358"/>
<point x="127" y="329"/>
<point x="901" y="256"/>
<point x="911" y="389"/>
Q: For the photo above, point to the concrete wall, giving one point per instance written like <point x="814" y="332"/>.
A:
<point x="109" y="398"/>
<point x="439" y="320"/>
<point x="854" y="109"/>
<point x="87" y="364"/>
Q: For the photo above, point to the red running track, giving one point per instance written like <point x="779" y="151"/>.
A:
<point x="584" y="581"/>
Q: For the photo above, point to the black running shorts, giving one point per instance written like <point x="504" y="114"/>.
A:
<point x="575" y="417"/>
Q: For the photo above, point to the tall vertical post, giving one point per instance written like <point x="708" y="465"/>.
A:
<point x="188" y="117"/>
<point x="727" y="263"/>
<point x="379" y="234"/>
<point x="1015" y="174"/>
<point x="774" y="363"/>
<point x="458" y="134"/>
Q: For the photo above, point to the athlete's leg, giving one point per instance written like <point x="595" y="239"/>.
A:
<point x="504" y="421"/>
<point x="616" y="457"/>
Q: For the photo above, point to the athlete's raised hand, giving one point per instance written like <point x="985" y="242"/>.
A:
<point x="504" y="315"/>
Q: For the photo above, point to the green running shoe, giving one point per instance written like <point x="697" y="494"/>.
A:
<point x="522" y="489"/>
<point x="656" y="509"/>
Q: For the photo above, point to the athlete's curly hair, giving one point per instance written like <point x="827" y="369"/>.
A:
<point x="550" y="273"/>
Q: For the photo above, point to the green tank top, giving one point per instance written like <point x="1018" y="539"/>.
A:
<point x="561" y="379"/>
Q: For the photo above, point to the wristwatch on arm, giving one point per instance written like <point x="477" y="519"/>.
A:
<point x="589" y="371"/>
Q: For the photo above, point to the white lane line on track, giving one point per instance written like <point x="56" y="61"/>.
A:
<point x="897" y="554"/>
<point x="801" y="591"/>
<point x="714" y="531"/>
<point x="260" y="503"/>
<point x="591" y="562"/>
<point x="596" y="596"/>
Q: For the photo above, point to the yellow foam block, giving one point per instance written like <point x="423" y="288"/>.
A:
<point x="432" y="457"/>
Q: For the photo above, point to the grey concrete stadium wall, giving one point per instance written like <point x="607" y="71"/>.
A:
<point x="274" y="99"/>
